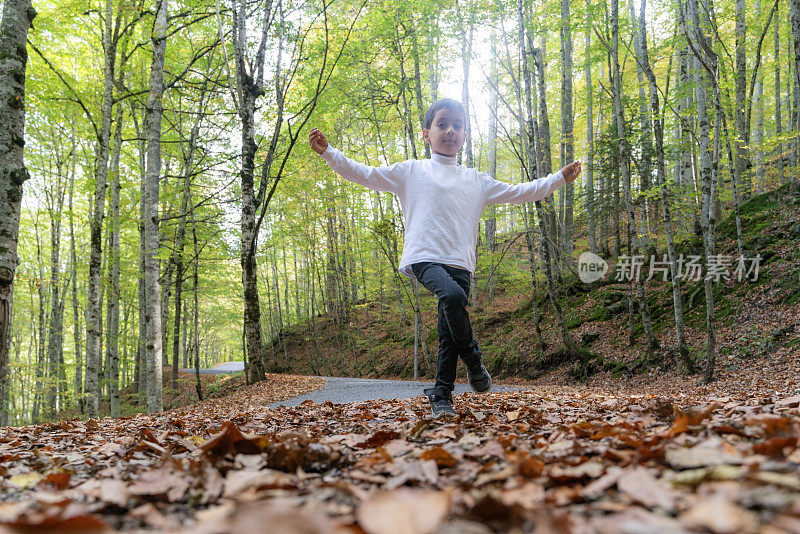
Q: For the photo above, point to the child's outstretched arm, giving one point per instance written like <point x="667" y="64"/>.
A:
<point x="497" y="192"/>
<point x="318" y="141"/>
<point x="387" y="178"/>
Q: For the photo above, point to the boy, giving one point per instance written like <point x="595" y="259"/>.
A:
<point x="442" y="204"/>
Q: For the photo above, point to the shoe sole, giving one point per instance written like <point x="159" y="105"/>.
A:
<point x="443" y="414"/>
<point x="482" y="392"/>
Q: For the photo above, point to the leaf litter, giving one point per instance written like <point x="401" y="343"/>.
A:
<point x="551" y="459"/>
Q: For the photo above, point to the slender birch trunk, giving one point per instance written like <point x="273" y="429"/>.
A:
<point x="741" y="134"/>
<point x="758" y="132"/>
<point x="93" y="302"/>
<point x="658" y="129"/>
<point x="55" y="333"/>
<point x="706" y="77"/>
<point x="794" y="13"/>
<point x="153" y="350"/>
<point x="633" y="238"/>
<point x="112" y="310"/>
<point x="778" y="117"/>
<point x="591" y="207"/>
<point x="567" y="139"/>
<point x="73" y="256"/>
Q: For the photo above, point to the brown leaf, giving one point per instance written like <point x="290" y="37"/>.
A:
<point x="291" y="453"/>
<point x="231" y="440"/>
<point x="640" y="486"/>
<point x="58" y="516"/>
<point x="721" y="517"/>
<point x="237" y="482"/>
<point x="378" y="439"/>
<point x="702" y="455"/>
<point x="152" y="516"/>
<point x="403" y="511"/>
<point x="162" y="482"/>
<point x="635" y="520"/>
<point x="775" y="446"/>
<point x="692" y="416"/>
<point x="531" y="467"/>
<point x="529" y="496"/>
<point x="440" y="456"/>
<point x="420" y="472"/>
<point x="789" y="402"/>
<point x="572" y="473"/>
<point x="58" y="480"/>
<point x="108" y="490"/>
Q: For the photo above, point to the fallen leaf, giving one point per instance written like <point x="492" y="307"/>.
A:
<point x="26" y="480"/>
<point x="403" y="511"/>
<point x="720" y="516"/>
<point x="440" y="456"/>
<point x="643" y="488"/>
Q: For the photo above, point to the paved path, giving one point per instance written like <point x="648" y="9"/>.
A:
<point x="340" y="390"/>
<point x="221" y="369"/>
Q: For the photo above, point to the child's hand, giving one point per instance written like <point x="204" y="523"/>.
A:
<point x="571" y="171"/>
<point x="318" y="141"/>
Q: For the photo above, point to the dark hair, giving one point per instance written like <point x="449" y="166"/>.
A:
<point x="443" y="103"/>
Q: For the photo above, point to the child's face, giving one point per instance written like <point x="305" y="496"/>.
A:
<point x="447" y="132"/>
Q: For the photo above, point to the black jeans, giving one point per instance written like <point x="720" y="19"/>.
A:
<point x="451" y="287"/>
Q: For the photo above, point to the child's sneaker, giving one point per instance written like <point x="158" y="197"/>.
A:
<point x="441" y="402"/>
<point x="479" y="379"/>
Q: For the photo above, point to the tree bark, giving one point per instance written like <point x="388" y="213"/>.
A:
<point x="93" y="303"/>
<point x="658" y="129"/>
<point x="758" y="132"/>
<point x="591" y="207"/>
<point x="55" y="194"/>
<point x="706" y="77"/>
<point x="17" y="18"/>
<point x="567" y="139"/>
<point x="778" y="118"/>
<point x="633" y="238"/>
<point x="153" y="346"/>
<point x="794" y="11"/>
<point x="742" y="135"/>
<point x="466" y="28"/>
<point x="112" y="310"/>
<point x="73" y="255"/>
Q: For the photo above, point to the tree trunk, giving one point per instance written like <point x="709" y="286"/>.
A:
<point x="591" y="207"/>
<point x="794" y="10"/>
<point x="707" y="163"/>
<point x="153" y="352"/>
<point x="17" y="18"/>
<point x="758" y="132"/>
<point x="741" y="134"/>
<point x="418" y="83"/>
<point x="93" y="303"/>
<point x="633" y="241"/>
<point x="567" y="140"/>
<point x="195" y="343"/>
<point x="112" y="311"/>
<point x="490" y="228"/>
<point x="533" y="171"/>
<point x="658" y="129"/>
<point x="73" y="255"/>
<point x="466" y="28"/>
<point x="778" y="118"/>
<point x="55" y="334"/>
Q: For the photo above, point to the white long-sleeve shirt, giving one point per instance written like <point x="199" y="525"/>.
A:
<point x="442" y="203"/>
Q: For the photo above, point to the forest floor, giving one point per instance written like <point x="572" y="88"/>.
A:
<point x="620" y="442"/>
